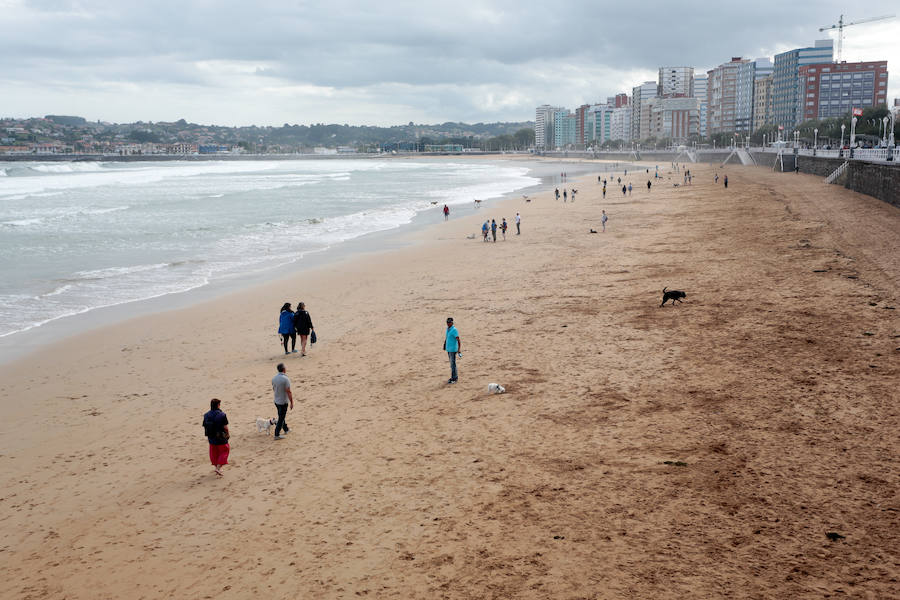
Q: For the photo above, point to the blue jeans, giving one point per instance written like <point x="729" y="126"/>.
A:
<point x="453" y="375"/>
<point x="282" y="413"/>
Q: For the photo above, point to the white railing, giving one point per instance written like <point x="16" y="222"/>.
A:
<point x="837" y="172"/>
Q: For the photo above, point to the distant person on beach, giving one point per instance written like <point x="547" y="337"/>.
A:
<point x="286" y="328"/>
<point x="565" y="195"/>
<point x="626" y="172"/>
<point x="215" y="426"/>
<point x="484" y="231"/>
<point x="618" y="180"/>
<point x="726" y="182"/>
<point x="494" y="230"/>
<point x="648" y="185"/>
<point x="604" y="190"/>
<point x="603" y="220"/>
<point x="518" y="224"/>
<point x="717" y="178"/>
<point x="503" y="227"/>
<point x="452" y="347"/>
<point x="629" y="189"/>
<point x="598" y="178"/>
<point x="446" y="212"/>
<point x="624" y="190"/>
<point x="557" y="193"/>
<point x="302" y="325"/>
<point x="281" y="386"/>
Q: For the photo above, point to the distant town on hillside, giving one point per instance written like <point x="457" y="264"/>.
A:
<point x="58" y="134"/>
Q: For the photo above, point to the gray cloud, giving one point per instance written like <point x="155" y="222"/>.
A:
<point x="373" y="61"/>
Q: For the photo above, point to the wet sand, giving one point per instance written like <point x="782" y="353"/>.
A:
<point x="701" y="450"/>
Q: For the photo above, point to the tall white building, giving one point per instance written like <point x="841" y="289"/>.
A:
<point x="748" y="75"/>
<point x="676" y="82"/>
<point x="640" y="95"/>
<point x="543" y="126"/>
<point x="700" y="94"/>
<point x="598" y="123"/>
<point x="620" y="124"/>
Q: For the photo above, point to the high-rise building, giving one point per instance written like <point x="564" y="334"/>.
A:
<point x="721" y="96"/>
<point x="640" y="94"/>
<point x="621" y="100"/>
<point x="620" y="124"/>
<point x="747" y="75"/>
<point x="833" y="89"/>
<point x="675" y="82"/>
<point x="565" y="132"/>
<point x="700" y="94"/>
<point x="543" y="126"/>
<point x="580" y="124"/>
<point x="786" y="84"/>
<point x="762" y="102"/>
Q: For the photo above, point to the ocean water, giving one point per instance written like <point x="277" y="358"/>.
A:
<point x="75" y="237"/>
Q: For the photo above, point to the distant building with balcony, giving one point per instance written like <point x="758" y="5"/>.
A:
<point x="786" y="84"/>
<point x="675" y="82"/>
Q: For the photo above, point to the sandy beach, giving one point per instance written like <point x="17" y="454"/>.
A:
<point x="702" y="450"/>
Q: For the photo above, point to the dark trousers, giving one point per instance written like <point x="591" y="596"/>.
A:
<point x="289" y="336"/>
<point x="281" y="424"/>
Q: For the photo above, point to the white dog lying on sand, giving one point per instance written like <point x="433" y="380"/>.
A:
<point x="496" y="388"/>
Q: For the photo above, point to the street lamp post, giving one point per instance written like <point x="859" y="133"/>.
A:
<point x="852" y="135"/>
<point x="815" y="140"/>
<point x="884" y="136"/>
<point x="843" y="126"/>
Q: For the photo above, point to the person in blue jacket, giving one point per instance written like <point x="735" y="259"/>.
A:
<point x="286" y="328"/>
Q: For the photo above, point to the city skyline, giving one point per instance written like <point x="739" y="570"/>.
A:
<point x="383" y="64"/>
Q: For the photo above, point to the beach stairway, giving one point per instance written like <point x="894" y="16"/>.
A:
<point x="836" y="174"/>
<point x="742" y="156"/>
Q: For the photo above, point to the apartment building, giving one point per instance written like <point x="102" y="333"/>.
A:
<point x="640" y="94"/>
<point x="721" y="96"/>
<point x="786" y="84"/>
<point x="675" y="82"/>
<point x="543" y="126"/>
<point x="762" y="102"/>
<point x="700" y="94"/>
<point x="676" y="119"/>
<point x="834" y="89"/>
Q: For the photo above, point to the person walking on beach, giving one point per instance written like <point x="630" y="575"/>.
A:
<point x="557" y="193"/>
<point x="603" y="220"/>
<point x="503" y="227"/>
<point x="629" y="189"/>
<point x="286" y="328"/>
<point x="453" y="348"/>
<point x="726" y="182"/>
<point x="648" y="185"/>
<point x="717" y="178"/>
<point x="302" y="325"/>
<point x="281" y="385"/>
<point x="484" y="231"/>
<point x="494" y="230"/>
<point x="215" y="427"/>
<point x="624" y="190"/>
<point x="565" y="195"/>
<point x="518" y="224"/>
<point x="604" y="190"/>
<point x="446" y="212"/>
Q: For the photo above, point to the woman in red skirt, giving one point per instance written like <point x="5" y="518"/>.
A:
<point x="215" y="424"/>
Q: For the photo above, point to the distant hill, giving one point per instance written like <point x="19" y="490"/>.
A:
<point x="64" y="120"/>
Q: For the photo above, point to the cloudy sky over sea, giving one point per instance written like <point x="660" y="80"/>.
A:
<point x="230" y="62"/>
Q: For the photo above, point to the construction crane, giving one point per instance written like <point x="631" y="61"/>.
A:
<point x="840" y="27"/>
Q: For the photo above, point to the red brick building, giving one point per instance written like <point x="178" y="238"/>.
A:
<point x="833" y="89"/>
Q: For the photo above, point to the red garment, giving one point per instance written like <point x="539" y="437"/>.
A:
<point x="218" y="454"/>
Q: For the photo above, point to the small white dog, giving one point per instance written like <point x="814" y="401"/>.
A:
<point x="265" y="424"/>
<point x="496" y="388"/>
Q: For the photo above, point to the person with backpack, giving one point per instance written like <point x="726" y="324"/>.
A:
<point x="215" y="427"/>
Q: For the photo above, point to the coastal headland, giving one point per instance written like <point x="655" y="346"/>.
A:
<point x="739" y="444"/>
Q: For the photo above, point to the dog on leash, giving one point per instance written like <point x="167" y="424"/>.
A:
<point x="672" y="295"/>
<point x="496" y="388"/>
<point x="265" y="424"/>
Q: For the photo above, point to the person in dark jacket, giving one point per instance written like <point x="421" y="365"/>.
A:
<point x="302" y="325"/>
<point x="215" y="425"/>
<point x="286" y="327"/>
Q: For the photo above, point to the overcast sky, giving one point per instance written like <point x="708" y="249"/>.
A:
<point x="384" y="62"/>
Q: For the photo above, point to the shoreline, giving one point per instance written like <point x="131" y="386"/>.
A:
<point x="24" y="343"/>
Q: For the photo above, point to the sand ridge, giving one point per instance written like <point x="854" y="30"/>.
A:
<point x="703" y="450"/>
